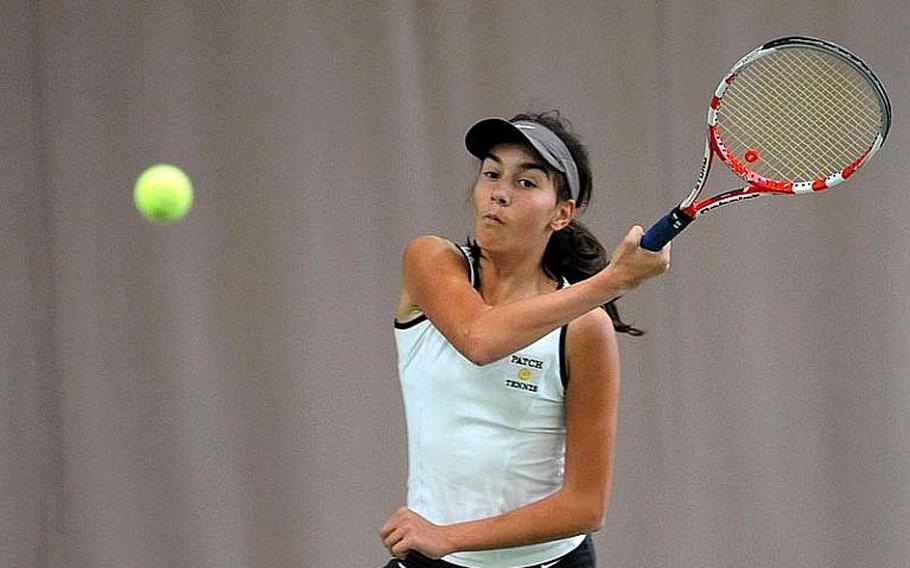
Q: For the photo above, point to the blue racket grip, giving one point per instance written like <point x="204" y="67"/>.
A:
<point x="663" y="231"/>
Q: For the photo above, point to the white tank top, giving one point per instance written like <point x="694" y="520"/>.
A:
<point x="483" y="440"/>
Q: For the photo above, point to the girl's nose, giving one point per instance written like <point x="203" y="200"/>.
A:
<point x="500" y="196"/>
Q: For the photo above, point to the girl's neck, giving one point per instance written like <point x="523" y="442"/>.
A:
<point x="505" y="278"/>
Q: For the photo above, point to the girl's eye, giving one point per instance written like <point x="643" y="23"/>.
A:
<point x="527" y="183"/>
<point x="490" y="174"/>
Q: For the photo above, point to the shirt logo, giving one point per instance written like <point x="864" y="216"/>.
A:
<point x="524" y="372"/>
<point x="526" y="361"/>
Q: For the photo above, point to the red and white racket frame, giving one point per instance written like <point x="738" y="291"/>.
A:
<point x="757" y="185"/>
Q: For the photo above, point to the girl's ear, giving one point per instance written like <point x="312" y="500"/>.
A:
<point x="565" y="212"/>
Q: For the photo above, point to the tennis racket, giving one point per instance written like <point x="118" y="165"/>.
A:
<point x="796" y="115"/>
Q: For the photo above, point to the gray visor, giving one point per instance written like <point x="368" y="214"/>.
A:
<point x="492" y="131"/>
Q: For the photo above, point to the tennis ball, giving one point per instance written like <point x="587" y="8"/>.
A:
<point x="163" y="193"/>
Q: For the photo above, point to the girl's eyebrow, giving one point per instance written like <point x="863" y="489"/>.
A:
<point x="522" y="166"/>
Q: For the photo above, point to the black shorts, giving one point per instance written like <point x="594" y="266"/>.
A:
<point x="582" y="557"/>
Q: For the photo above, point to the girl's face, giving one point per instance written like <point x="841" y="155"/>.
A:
<point x="515" y="200"/>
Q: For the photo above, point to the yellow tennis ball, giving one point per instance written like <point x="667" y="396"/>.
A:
<point x="163" y="193"/>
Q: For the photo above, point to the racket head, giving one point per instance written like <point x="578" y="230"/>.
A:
<point x="796" y="115"/>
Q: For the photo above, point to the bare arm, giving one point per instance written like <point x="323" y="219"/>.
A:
<point x="580" y="505"/>
<point x="434" y="282"/>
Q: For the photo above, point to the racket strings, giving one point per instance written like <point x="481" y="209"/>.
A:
<point x="851" y="100"/>
<point x="816" y="100"/>
<point x="800" y="134"/>
<point x="856" y="97"/>
<point x="805" y="112"/>
<point x="810" y="127"/>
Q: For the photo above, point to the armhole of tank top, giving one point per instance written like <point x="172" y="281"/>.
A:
<point x="563" y="370"/>
<point x="410" y="323"/>
<point x="473" y="268"/>
<point x="472" y="275"/>
<point x="561" y="283"/>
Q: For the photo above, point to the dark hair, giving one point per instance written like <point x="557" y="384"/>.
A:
<point x="573" y="252"/>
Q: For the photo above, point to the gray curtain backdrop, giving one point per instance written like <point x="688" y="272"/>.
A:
<point x="222" y="392"/>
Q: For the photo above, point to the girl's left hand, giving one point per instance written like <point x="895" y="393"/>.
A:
<point x="406" y="530"/>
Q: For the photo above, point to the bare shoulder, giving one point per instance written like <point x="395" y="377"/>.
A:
<point x="431" y="253"/>
<point x="592" y="330"/>
<point x="429" y="246"/>
<point x="426" y="259"/>
<point x="591" y="348"/>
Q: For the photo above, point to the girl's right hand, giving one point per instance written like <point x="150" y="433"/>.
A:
<point x="630" y="264"/>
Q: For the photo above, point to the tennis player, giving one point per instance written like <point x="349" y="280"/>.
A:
<point x="509" y="367"/>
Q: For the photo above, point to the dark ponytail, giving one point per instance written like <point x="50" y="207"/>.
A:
<point x="574" y="252"/>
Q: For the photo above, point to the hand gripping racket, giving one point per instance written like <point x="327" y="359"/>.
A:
<point x="797" y="115"/>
